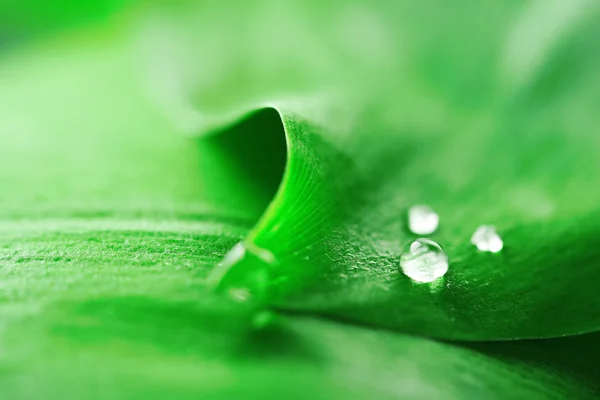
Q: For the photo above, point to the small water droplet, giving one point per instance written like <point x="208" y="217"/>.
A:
<point x="422" y="220"/>
<point x="424" y="261"/>
<point x="486" y="238"/>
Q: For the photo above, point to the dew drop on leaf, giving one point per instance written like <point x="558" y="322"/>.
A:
<point x="424" y="261"/>
<point x="422" y="220"/>
<point x="486" y="238"/>
<point x="243" y="272"/>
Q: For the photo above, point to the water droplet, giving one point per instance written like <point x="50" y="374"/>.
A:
<point x="243" y="272"/>
<point x="424" y="261"/>
<point x="422" y="220"/>
<point x="486" y="238"/>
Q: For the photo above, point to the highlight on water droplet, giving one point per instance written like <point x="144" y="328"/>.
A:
<point x="243" y="273"/>
<point x="239" y="294"/>
<point x="486" y="238"/>
<point x="422" y="220"/>
<point x="424" y="261"/>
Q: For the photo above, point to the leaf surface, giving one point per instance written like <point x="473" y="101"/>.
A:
<point x="487" y="115"/>
<point x="110" y="224"/>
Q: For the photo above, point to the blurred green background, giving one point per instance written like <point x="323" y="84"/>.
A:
<point x="24" y="20"/>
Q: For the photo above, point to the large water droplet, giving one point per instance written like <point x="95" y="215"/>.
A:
<point x="486" y="238"/>
<point x="424" y="261"/>
<point x="422" y="220"/>
<point x="244" y="271"/>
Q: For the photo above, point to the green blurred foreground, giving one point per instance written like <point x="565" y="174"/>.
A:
<point x="311" y="129"/>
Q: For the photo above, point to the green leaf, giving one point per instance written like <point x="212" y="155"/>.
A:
<point x="110" y="225"/>
<point x="486" y="114"/>
<point x="195" y="355"/>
